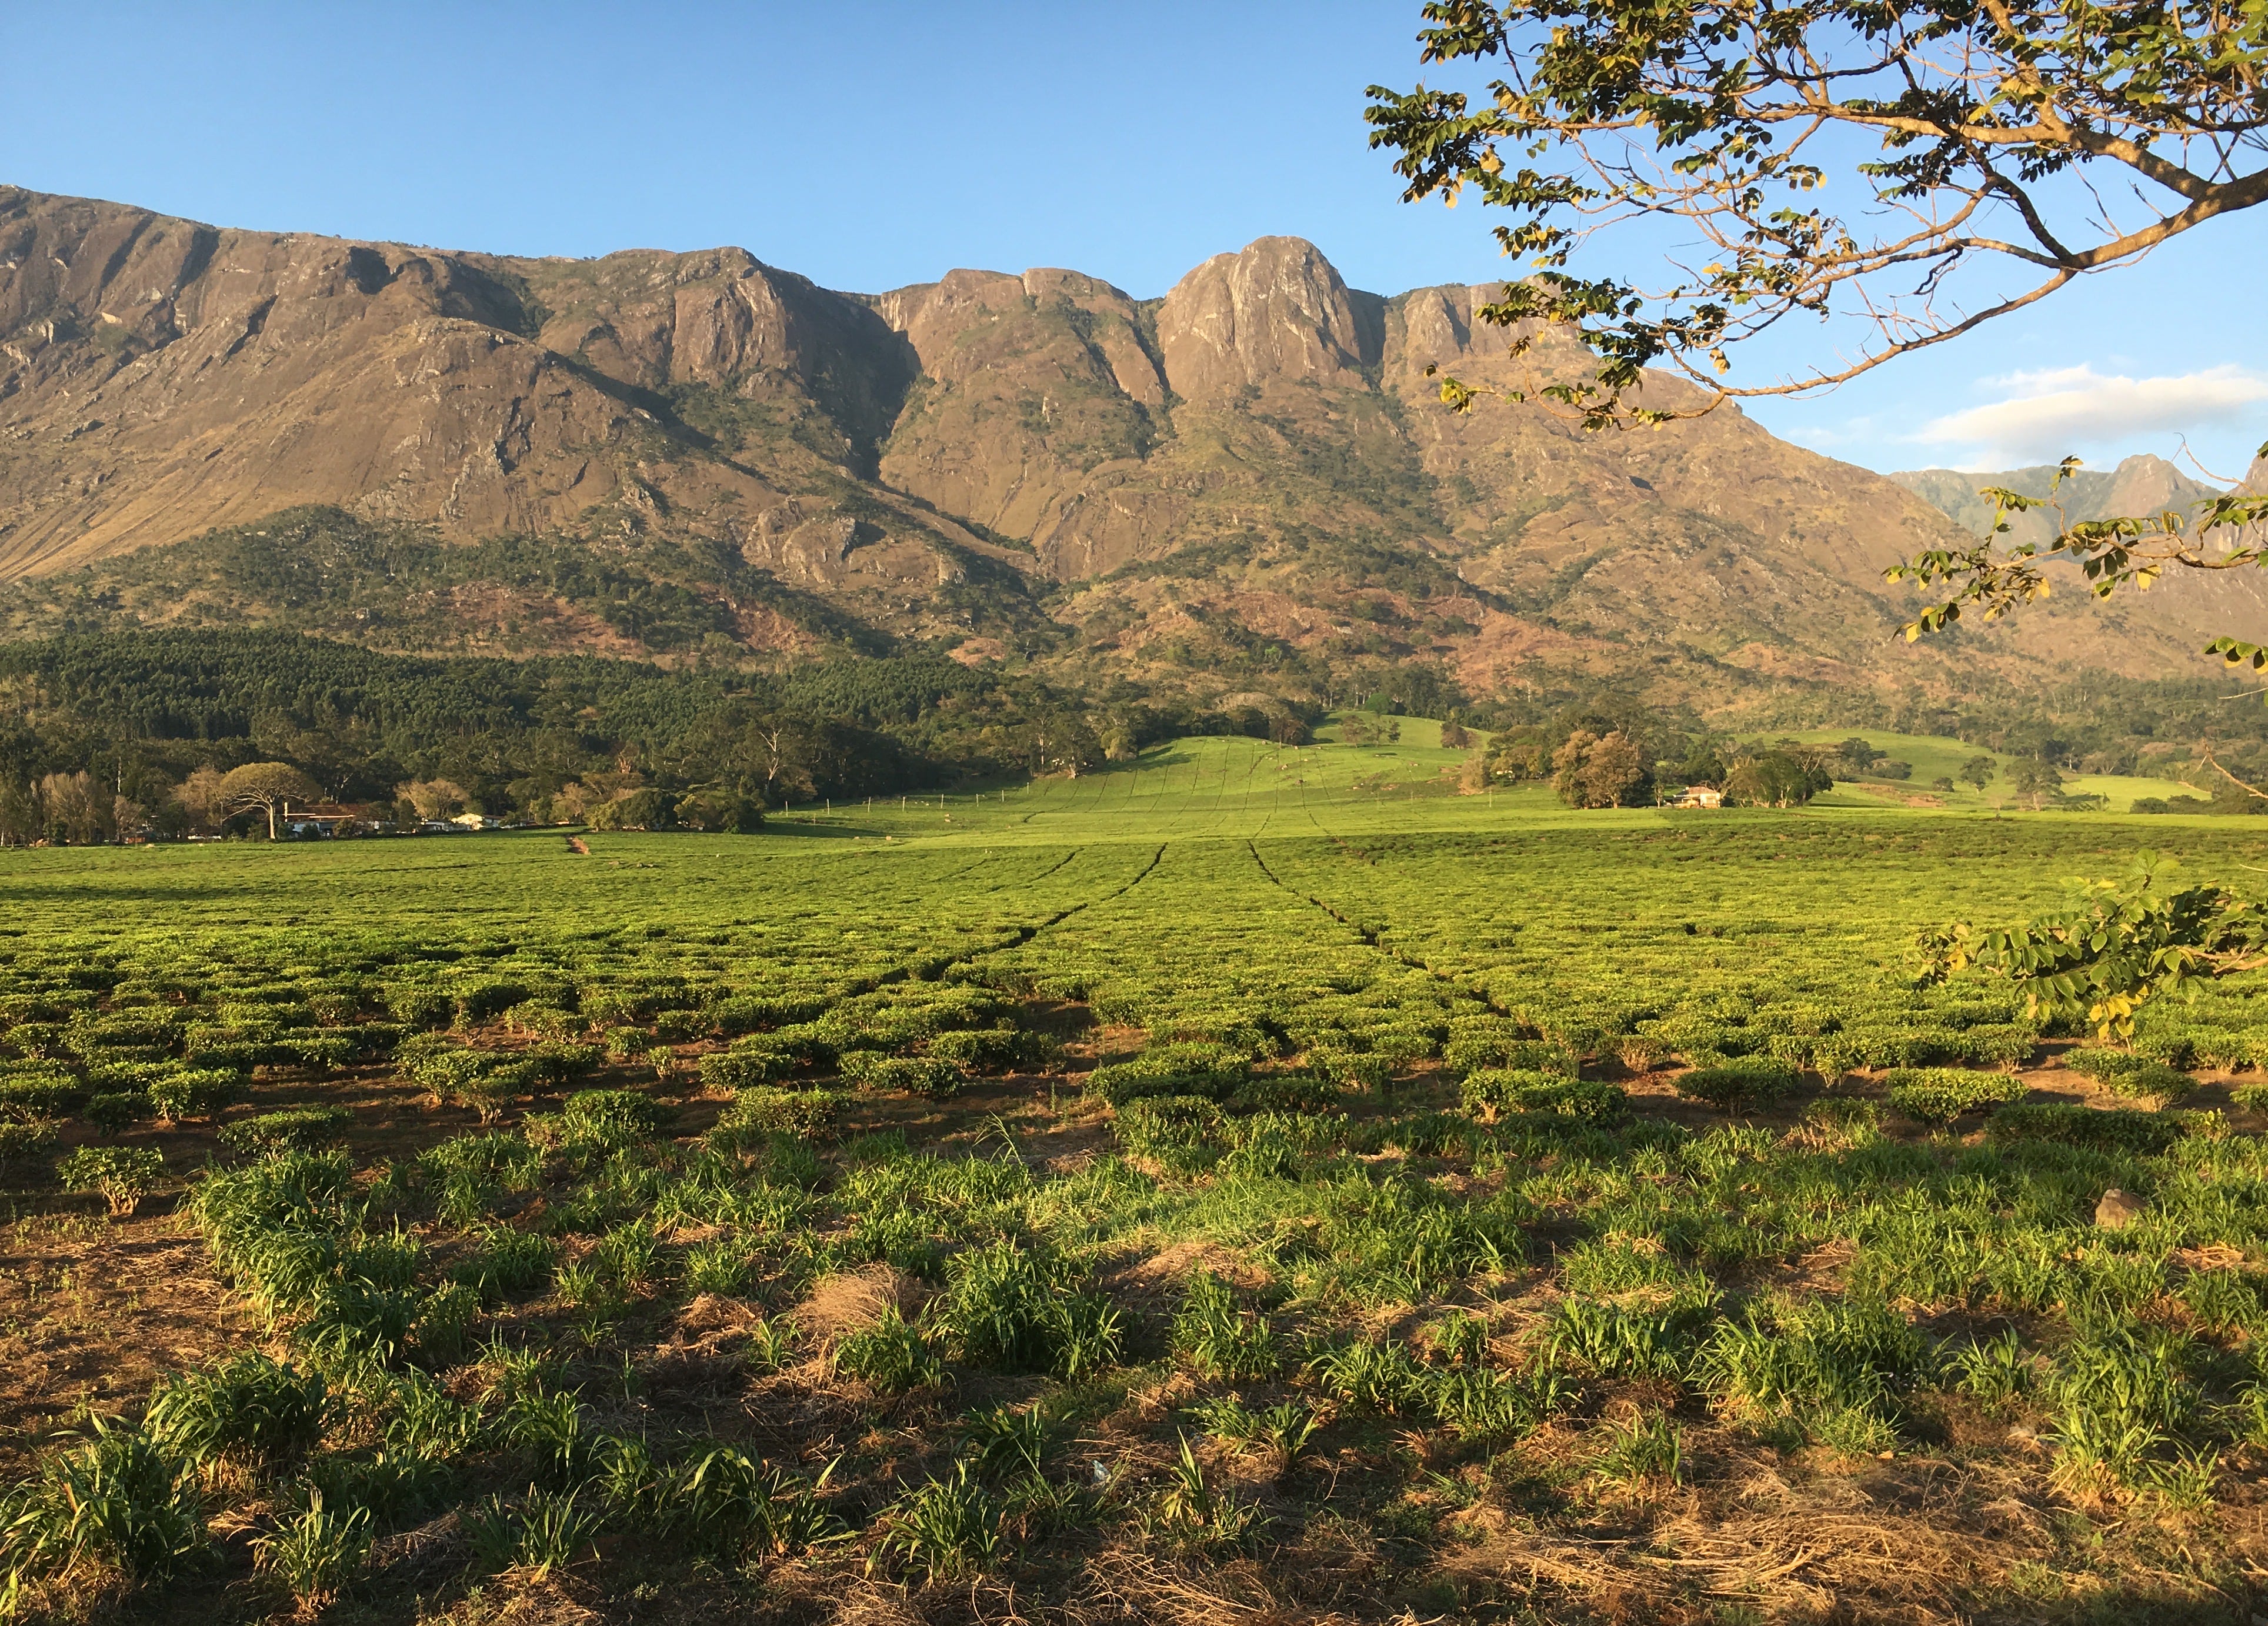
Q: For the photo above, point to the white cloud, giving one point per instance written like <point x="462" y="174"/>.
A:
<point x="2047" y="415"/>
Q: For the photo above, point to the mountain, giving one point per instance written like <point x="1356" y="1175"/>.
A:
<point x="2139" y="485"/>
<point x="1247" y="485"/>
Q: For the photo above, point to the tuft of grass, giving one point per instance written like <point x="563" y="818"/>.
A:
<point x="1196" y="1515"/>
<point x="946" y="1530"/>
<point x="247" y="1410"/>
<point x="1220" y="1337"/>
<point x="1647" y="1448"/>
<point x="315" y="1550"/>
<point x="891" y="1357"/>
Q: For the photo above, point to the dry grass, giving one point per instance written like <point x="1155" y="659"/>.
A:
<point x="853" y="1301"/>
<point x="92" y="1313"/>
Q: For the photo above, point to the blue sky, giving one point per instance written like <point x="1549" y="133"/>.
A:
<point x="868" y="146"/>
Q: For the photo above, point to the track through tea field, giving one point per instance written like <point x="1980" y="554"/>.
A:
<point x="1253" y="1183"/>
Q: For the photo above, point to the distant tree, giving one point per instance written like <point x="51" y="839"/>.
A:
<point x="2038" y="780"/>
<point x="717" y="810"/>
<point x="1062" y="742"/>
<point x="1702" y="766"/>
<point x="1978" y="771"/>
<point x="19" y="814"/>
<point x="1597" y="771"/>
<point x="781" y="752"/>
<point x="200" y="796"/>
<point x="1891" y="768"/>
<point x="76" y="810"/>
<point x="1512" y="759"/>
<point x="1454" y="736"/>
<point x="267" y="788"/>
<point x="433" y="798"/>
<point x="1859" y="754"/>
<point x="639" y="810"/>
<point x="1775" y="779"/>
<point x="1942" y="783"/>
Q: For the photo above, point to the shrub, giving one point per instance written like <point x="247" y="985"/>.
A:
<point x="299" y="1128"/>
<point x="1935" y="1095"/>
<point x="2153" y="1080"/>
<point x="923" y="1075"/>
<point x="2135" y="1078"/>
<point x="544" y="1020"/>
<point x="420" y="1006"/>
<point x="39" y="1039"/>
<point x="758" y="1114"/>
<point x="1400" y="1046"/>
<point x="199" y="1092"/>
<point x="1742" y="1081"/>
<point x="1279" y="1092"/>
<point x="1187" y="1070"/>
<point x="988" y="1049"/>
<point x="611" y="1116"/>
<point x="1352" y="1069"/>
<point x="1470" y="1051"/>
<point x="491" y="1090"/>
<point x="39" y="1095"/>
<point x="740" y="1068"/>
<point x="2119" y="1129"/>
<point x="482" y="1000"/>
<point x="120" y="1175"/>
<point x="562" y="1061"/>
<point x="113" y="1111"/>
<point x="1488" y="1091"/>
<point x="22" y="1139"/>
<point x="747" y="1012"/>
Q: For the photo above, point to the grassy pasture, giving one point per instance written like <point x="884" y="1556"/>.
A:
<point x="1256" y="1180"/>
<point x="1936" y="756"/>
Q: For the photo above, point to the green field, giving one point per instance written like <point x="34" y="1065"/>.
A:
<point x="1934" y="757"/>
<point x="1250" y="1181"/>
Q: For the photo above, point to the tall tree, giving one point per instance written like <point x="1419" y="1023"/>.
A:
<point x="269" y="787"/>
<point x="1979" y="142"/>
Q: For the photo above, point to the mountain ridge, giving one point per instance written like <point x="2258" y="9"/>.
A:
<point x="1246" y="482"/>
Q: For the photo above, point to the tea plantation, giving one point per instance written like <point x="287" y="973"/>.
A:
<point x="1256" y="1183"/>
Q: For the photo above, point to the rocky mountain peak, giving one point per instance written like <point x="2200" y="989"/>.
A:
<point x="1275" y="312"/>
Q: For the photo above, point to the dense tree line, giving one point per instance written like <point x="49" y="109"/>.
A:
<point x="104" y="733"/>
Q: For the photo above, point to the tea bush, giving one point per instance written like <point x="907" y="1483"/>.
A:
<point x="1938" y="1095"/>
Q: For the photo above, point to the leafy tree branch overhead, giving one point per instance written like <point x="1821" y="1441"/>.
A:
<point x="2117" y="945"/>
<point x="2048" y="140"/>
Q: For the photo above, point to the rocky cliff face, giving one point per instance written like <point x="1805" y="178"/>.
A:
<point x="1251" y="471"/>
<point x="1274" y="315"/>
